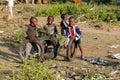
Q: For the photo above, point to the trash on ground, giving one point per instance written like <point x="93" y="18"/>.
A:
<point x="113" y="72"/>
<point x="114" y="46"/>
<point x="99" y="61"/>
<point x="116" y="56"/>
<point x="1" y="31"/>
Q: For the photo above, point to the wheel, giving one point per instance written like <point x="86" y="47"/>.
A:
<point x="71" y="54"/>
<point x="38" y="49"/>
<point x="51" y="47"/>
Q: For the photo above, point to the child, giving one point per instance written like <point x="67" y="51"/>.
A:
<point x="73" y="32"/>
<point x="64" y="24"/>
<point x="50" y="27"/>
<point x="31" y="36"/>
<point x="10" y="6"/>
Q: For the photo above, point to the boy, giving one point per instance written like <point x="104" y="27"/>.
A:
<point x="31" y="36"/>
<point x="73" y="32"/>
<point x="50" y="27"/>
<point x="64" y="24"/>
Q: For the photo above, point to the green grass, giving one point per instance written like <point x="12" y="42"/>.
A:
<point x="32" y="70"/>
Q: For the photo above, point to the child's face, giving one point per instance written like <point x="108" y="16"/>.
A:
<point x="50" y="20"/>
<point x="34" y="22"/>
<point x="65" y="17"/>
<point x="72" y="22"/>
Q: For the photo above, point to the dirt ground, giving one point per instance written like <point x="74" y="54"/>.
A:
<point x="95" y="42"/>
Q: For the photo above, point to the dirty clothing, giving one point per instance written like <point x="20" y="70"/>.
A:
<point x="31" y="33"/>
<point x="33" y="41"/>
<point x="51" y="29"/>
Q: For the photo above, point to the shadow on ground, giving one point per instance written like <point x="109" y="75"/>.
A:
<point x="11" y="51"/>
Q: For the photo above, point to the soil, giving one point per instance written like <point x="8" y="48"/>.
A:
<point x="95" y="42"/>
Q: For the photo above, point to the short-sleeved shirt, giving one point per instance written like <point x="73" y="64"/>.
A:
<point x="31" y="32"/>
<point x="51" y="29"/>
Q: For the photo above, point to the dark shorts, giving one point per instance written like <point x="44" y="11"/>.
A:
<point x="77" y="42"/>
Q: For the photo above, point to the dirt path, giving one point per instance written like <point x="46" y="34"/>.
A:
<point x="94" y="43"/>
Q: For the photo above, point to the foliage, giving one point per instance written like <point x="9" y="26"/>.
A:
<point x="32" y="70"/>
<point x="60" y="37"/>
<point x="82" y="12"/>
<point x="18" y="36"/>
<point x="57" y="9"/>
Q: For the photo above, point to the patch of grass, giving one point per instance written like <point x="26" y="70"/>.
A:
<point x="32" y="70"/>
<point x="18" y="36"/>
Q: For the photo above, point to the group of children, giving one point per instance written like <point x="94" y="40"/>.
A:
<point x="69" y="29"/>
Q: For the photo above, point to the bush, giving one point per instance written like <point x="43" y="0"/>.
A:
<point x="18" y="36"/>
<point x="32" y="70"/>
<point x="57" y="9"/>
<point x="102" y="12"/>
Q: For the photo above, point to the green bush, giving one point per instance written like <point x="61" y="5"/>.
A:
<point x="99" y="14"/>
<point x="117" y="12"/>
<point x="38" y="12"/>
<point x="18" y="36"/>
<point x="32" y="70"/>
<point x="57" y="9"/>
<point x="102" y="12"/>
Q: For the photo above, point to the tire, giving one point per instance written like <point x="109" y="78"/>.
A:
<point x="54" y="43"/>
<point x="68" y="51"/>
<point x="22" y="53"/>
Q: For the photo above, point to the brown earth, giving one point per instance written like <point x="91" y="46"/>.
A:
<point x="95" y="42"/>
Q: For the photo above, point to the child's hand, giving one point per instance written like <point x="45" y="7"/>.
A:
<point x="52" y="35"/>
<point x="47" y="33"/>
<point x="72" y="37"/>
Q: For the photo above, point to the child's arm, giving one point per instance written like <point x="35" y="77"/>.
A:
<point x="56" y="31"/>
<point x="78" y="32"/>
<point x="46" y="30"/>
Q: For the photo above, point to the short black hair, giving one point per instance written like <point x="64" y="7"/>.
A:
<point x="72" y="17"/>
<point x="63" y="15"/>
<point x="33" y="17"/>
<point x="50" y="17"/>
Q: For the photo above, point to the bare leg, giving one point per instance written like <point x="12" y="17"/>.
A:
<point x="81" y="50"/>
<point x="72" y="49"/>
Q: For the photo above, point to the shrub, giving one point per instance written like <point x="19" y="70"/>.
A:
<point x="32" y="70"/>
<point x="57" y="9"/>
<point x="18" y="36"/>
<point x="102" y="14"/>
<point x="38" y="12"/>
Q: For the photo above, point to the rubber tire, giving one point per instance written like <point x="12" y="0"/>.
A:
<point x="68" y="51"/>
<point x="55" y="43"/>
<point x="22" y="51"/>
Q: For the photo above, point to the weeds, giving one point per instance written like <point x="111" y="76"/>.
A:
<point x="18" y="36"/>
<point x="32" y="70"/>
<point x="99" y="13"/>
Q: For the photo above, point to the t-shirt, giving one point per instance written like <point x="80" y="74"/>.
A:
<point x="51" y="29"/>
<point x="31" y="32"/>
<point x="10" y="3"/>
<point x="71" y="31"/>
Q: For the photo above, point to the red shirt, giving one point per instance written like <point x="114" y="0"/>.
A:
<point x="71" y="31"/>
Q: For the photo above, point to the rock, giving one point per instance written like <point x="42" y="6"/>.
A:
<point x="63" y="72"/>
<point x="57" y="77"/>
<point x="53" y="66"/>
<point x="76" y="77"/>
<point x="95" y="38"/>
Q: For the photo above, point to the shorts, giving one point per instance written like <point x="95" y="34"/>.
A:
<point x="77" y="42"/>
